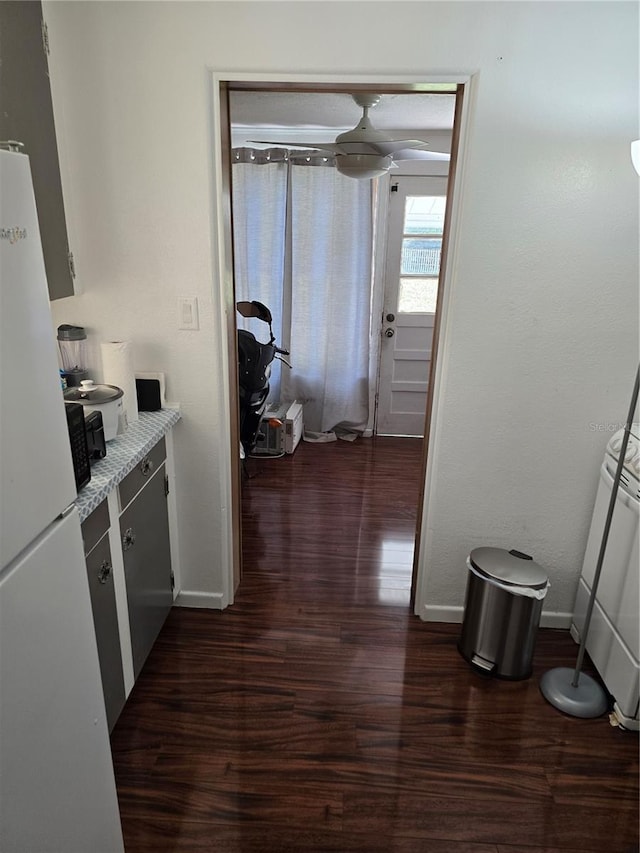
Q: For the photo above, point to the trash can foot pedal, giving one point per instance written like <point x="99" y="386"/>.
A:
<point x="483" y="663"/>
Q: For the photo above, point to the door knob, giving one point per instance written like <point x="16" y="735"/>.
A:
<point x="389" y="333"/>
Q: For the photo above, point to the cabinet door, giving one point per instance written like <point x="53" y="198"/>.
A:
<point x="27" y="116"/>
<point x="144" y="527"/>
<point x="105" y="620"/>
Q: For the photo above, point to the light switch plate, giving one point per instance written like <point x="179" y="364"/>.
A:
<point x="188" y="313"/>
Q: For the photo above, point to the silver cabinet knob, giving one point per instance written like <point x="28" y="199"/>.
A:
<point x="146" y="466"/>
<point x="104" y="571"/>
<point x="129" y="538"/>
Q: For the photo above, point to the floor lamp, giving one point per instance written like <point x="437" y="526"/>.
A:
<point x="572" y="691"/>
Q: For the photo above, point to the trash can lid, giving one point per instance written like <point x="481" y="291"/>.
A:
<point x="508" y="567"/>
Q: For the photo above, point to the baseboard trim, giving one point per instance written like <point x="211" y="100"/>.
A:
<point x="207" y="600"/>
<point x="443" y="613"/>
<point x="554" y="619"/>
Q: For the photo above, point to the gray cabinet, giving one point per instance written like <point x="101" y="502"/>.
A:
<point x="103" y="605"/>
<point x="144" y="528"/>
<point x="128" y="554"/>
<point x="27" y="116"/>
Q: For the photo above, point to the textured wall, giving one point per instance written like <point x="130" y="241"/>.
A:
<point x="541" y="334"/>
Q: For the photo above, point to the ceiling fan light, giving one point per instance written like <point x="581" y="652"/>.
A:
<point x="363" y="166"/>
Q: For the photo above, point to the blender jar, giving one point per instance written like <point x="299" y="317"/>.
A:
<point x="72" y="343"/>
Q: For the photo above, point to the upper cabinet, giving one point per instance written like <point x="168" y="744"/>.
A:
<point x="26" y="115"/>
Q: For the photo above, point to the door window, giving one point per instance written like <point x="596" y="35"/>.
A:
<point x="422" y="231"/>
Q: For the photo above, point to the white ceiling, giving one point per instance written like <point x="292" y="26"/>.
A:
<point x="282" y="115"/>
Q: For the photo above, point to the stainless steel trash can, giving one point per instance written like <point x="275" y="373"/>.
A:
<point x="503" y="602"/>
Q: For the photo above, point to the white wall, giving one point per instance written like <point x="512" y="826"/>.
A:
<point x="542" y="321"/>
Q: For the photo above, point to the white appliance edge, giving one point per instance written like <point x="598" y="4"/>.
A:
<point x="613" y="642"/>
<point x="57" y="790"/>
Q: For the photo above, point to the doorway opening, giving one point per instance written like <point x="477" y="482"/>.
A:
<point x="228" y="90"/>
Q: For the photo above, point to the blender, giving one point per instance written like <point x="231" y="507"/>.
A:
<point x="72" y="345"/>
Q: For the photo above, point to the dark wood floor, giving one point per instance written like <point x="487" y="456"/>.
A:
<point x="317" y="714"/>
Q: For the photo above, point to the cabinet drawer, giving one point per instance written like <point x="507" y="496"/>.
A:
<point x="95" y="526"/>
<point x="141" y="474"/>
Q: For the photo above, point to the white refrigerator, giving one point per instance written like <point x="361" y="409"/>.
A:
<point x="57" y="788"/>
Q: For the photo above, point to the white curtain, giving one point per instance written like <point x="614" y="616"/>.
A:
<point x="259" y="196"/>
<point x="303" y="246"/>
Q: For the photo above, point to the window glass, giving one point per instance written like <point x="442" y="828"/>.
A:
<point x="424" y="214"/>
<point x="421" y="251"/>
<point x="420" y="256"/>
<point x="417" y="295"/>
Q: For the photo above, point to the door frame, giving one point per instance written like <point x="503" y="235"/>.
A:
<point x="223" y="287"/>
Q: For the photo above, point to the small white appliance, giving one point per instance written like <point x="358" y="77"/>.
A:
<point x="273" y="439"/>
<point x="106" y="399"/>
<point x="58" y="787"/>
<point x="613" y="642"/>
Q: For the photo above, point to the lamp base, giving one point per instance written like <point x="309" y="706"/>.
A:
<point x="586" y="700"/>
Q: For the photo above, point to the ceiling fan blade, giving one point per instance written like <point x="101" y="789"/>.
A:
<point x="390" y="146"/>
<point x="316" y="146"/>
<point x="416" y="154"/>
<point x="408" y="151"/>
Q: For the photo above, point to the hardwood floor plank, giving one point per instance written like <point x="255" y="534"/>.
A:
<point x="160" y="836"/>
<point x="324" y="763"/>
<point x="580" y="779"/>
<point x="518" y="848"/>
<point x="431" y="817"/>
<point x="193" y="796"/>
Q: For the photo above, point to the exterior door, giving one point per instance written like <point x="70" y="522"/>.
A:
<point x="414" y="245"/>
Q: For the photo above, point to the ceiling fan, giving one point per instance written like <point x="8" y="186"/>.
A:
<point x="365" y="152"/>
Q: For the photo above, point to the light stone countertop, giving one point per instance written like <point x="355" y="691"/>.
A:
<point x="123" y="454"/>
